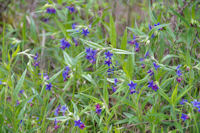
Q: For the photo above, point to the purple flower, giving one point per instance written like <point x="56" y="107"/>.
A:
<point x="115" y="80"/>
<point x="150" y="72"/>
<point x="196" y="104"/>
<point x="150" y="84"/>
<point x="179" y="79"/>
<point x="178" y="67"/>
<point x="110" y="71"/>
<point x="155" y="65"/>
<point x="143" y="66"/>
<point x="74" y="26"/>
<point x="64" y="44"/>
<point x="36" y="57"/>
<point x="132" y="85"/>
<point x="108" y="62"/>
<point x="85" y="32"/>
<point x="29" y="101"/>
<point x="132" y="91"/>
<point x="45" y="76"/>
<point x="63" y="109"/>
<point x="0" y="82"/>
<point x="71" y="9"/>
<point x="150" y="27"/>
<point x="65" y="73"/>
<point x="184" y="117"/>
<point x="75" y="41"/>
<point x="79" y="124"/>
<point x="57" y="110"/>
<point x="114" y="88"/>
<point x="178" y="72"/>
<point x="183" y="101"/>
<point x="108" y="55"/>
<point x="55" y="124"/>
<point x="98" y="109"/>
<point x="48" y="86"/>
<point x="17" y="103"/>
<point x="20" y="121"/>
<point x="91" y="55"/>
<point x="146" y="55"/>
<point x="51" y="10"/>
<point x="21" y="91"/>
<point x="155" y="87"/>
<point x="36" y="63"/>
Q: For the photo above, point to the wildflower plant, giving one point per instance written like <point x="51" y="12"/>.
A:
<point x="75" y="66"/>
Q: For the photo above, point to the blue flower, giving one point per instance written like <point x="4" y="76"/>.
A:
<point x="85" y="32"/>
<point x="36" y="57"/>
<point x="155" y="65"/>
<point x="132" y="85"/>
<point x="64" y="44"/>
<point x="74" y="26"/>
<point x="178" y="72"/>
<point x="178" y="67"/>
<point x="183" y="101"/>
<point x="150" y="84"/>
<point x="150" y="72"/>
<point x="29" y="101"/>
<point x="98" y="109"/>
<point x="132" y="91"/>
<point x="71" y="9"/>
<point x="184" y="117"/>
<point x="51" y="10"/>
<point x="108" y="55"/>
<point x="65" y="73"/>
<point x="155" y="87"/>
<point x="91" y="55"/>
<point x="75" y="41"/>
<point x="108" y="62"/>
<point x="79" y="124"/>
<point x="114" y="88"/>
<point x="21" y="91"/>
<point x="17" y="103"/>
<point x="57" y="110"/>
<point x="0" y="82"/>
<point x="146" y="55"/>
<point x="110" y="71"/>
<point x="115" y="80"/>
<point x="63" y="109"/>
<point x="196" y="104"/>
<point x="48" y="86"/>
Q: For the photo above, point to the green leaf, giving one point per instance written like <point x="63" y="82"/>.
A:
<point x="55" y="76"/>
<point x="174" y="95"/>
<point x="92" y="98"/>
<point x="92" y="44"/>
<point x="163" y="94"/>
<point x="181" y="17"/>
<point x="68" y="59"/>
<point x="19" y="84"/>
<point x="112" y="33"/>
<point x="124" y="43"/>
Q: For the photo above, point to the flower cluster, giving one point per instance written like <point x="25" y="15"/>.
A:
<point x="36" y="62"/>
<point x="51" y="10"/>
<point x="91" y="55"/>
<point x="65" y="73"/>
<point x="178" y="73"/>
<point x="64" y="44"/>
<point x="134" y="42"/>
<point x="108" y="56"/>
<point x="98" y="109"/>
<point x="79" y="124"/>
<point x="153" y="86"/>
<point x="132" y="87"/>
<point x="151" y="27"/>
